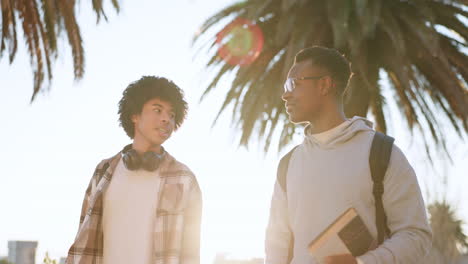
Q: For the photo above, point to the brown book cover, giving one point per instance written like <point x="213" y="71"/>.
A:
<point x="346" y="235"/>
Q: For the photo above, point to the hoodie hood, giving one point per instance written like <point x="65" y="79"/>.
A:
<point x="339" y="134"/>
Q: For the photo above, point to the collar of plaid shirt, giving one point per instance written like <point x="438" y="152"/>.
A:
<point x="176" y="232"/>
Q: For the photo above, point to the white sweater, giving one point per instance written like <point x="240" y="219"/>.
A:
<point x="327" y="174"/>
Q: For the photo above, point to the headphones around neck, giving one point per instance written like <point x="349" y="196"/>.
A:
<point x="149" y="161"/>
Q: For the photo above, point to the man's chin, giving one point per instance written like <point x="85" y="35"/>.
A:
<point x="296" y="120"/>
<point x="159" y="141"/>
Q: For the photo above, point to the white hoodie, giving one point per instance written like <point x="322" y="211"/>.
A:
<point x="329" y="173"/>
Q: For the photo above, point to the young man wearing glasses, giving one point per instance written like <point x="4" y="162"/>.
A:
<point x="329" y="173"/>
<point x="142" y="205"/>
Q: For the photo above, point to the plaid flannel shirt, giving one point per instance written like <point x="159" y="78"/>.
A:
<point x="176" y="231"/>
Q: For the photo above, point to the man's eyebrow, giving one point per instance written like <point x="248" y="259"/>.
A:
<point x="159" y="105"/>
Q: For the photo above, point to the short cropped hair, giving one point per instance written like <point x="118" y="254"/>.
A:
<point x="145" y="89"/>
<point x="331" y="60"/>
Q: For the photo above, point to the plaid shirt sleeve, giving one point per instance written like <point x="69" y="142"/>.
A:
<point x="80" y="251"/>
<point x="85" y="204"/>
<point x="92" y="184"/>
<point x="190" y="251"/>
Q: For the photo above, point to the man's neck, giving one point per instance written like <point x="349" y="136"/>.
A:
<point x="327" y="121"/>
<point x="142" y="147"/>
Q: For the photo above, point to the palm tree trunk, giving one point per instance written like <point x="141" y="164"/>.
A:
<point x="364" y="90"/>
<point x="357" y="97"/>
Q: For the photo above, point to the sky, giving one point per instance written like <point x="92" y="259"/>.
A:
<point x="52" y="146"/>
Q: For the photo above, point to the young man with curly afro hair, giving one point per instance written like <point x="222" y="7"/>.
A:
<point x="142" y="205"/>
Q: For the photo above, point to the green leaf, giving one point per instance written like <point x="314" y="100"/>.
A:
<point x="338" y="15"/>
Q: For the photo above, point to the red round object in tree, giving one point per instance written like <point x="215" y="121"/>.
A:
<point x="240" y="42"/>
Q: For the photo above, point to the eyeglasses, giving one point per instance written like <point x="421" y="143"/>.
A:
<point x="289" y="85"/>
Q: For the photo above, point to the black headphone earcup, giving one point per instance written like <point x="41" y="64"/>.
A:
<point x="131" y="159"/>
<point x="150" y="161"/>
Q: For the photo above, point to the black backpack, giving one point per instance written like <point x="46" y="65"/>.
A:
<point x="379" y="157"/>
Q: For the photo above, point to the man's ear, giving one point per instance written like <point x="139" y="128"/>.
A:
<point x="327" y="86"/>
<point x="135" y="118"/>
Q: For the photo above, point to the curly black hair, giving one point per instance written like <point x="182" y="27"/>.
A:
<point x="145" y="89"/>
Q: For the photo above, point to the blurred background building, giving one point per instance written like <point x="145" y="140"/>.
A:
<point x="22" y="252"/>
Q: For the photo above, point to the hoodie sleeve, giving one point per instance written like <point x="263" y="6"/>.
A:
<point x="411" y="235"/>
<point x="278" y="233"/>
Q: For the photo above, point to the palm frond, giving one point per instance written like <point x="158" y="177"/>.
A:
<point x="427" y="67"/>
<point x="8" y="29"/>
<point x="448" y="236"/>
<point x="42" y="22"/>
<point x="226" y="12"/>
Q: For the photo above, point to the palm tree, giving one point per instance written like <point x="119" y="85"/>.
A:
<point x="449" y="241"/>
<point x="419" y="46"/>
<point x="42" y="23"/>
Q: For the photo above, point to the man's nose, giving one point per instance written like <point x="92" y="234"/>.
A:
<point x="165" y="118"/>
<point x="286" y="95"/>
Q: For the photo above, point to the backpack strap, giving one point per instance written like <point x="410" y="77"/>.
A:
<point x="379" y="158"/>
<point x="281" y="179"/>
<point x="283" y="169"/>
